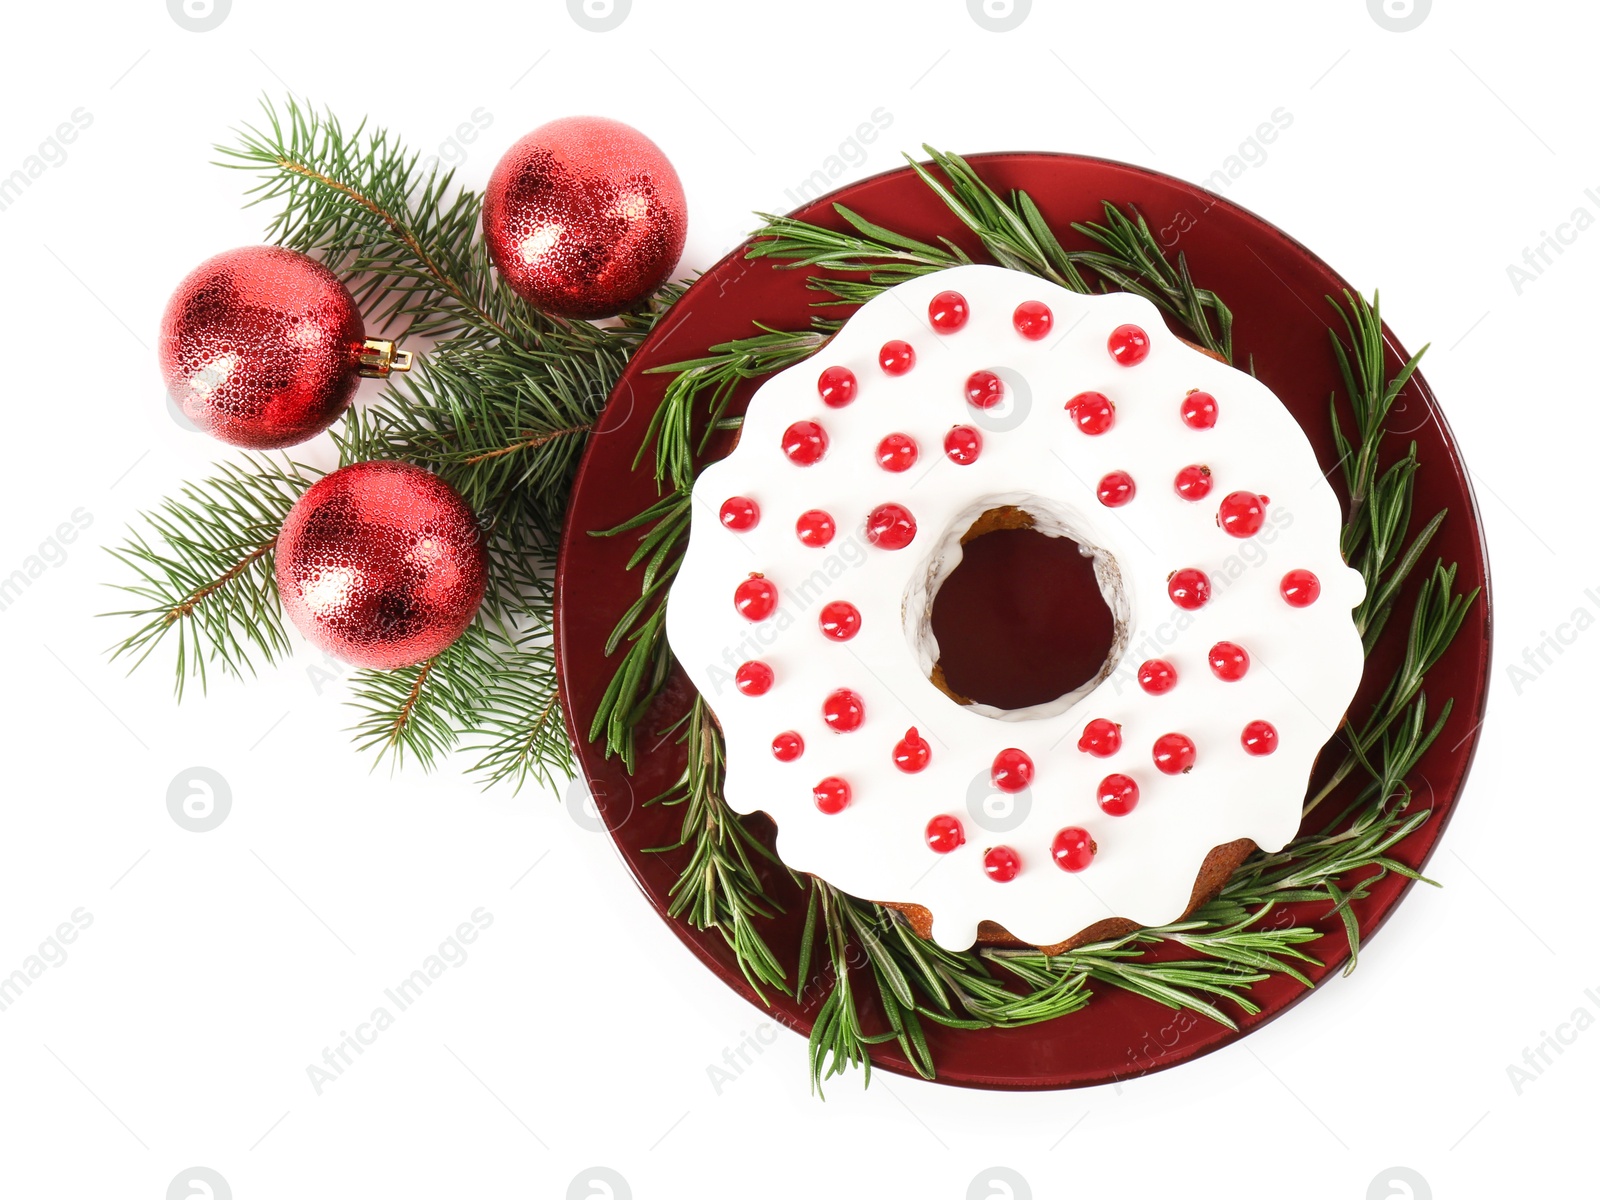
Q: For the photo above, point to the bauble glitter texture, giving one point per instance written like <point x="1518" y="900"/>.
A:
<point x="381" y="564"/>
<point x="584" y="217"/>
<point x="261" y="347"/>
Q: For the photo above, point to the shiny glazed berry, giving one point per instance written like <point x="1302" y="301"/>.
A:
<point x="1032" y="319"/>
<point x="896" y="357"/>
<point x="1101" y="738"/>
<point x="753" y="678"/>
<point x="1012" y="770"/>
<point x="985" y="389"/>
<point x="1189" y="588"/>
<point x="1258" y="738"/>
<point x="912" y="752"/>
<point x="1117" y="795"/>
<point x="839" y="620"/>
<point x="843" y="711"/>
<point x="815" y="527"/>
<point x="740" y="513"/>
<point x="897" y="452"/>
<point x="1173" y="754"/>
<point x="1242" y="514"/>
<point x="804" y="443"/>
<point x="1092" y="412"/>
<point x="944" y="834"/>
<point x="832" y="795"/>
<point x="891" y="527"/>
<point x="837" y="386"/>
<point x="788" y="746"/>
<point x="756" y="598"/>
<point x="962" y="445"/>
<point x="1073" y="849"/>
<point x="1193" y="482"/>
<point x="1300" y="587"/>
<point x="1229" y="661"/>
<point x="1129" y="345"/>
<point x="1001" y="864"/>
<point x="1116" y="489"/>
<point x="1199" y="410"/>
<point x="1157" y="676"/>
<point x="948" y="312"/>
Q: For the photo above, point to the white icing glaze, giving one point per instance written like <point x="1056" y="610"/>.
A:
<point x="1305" y="662"/>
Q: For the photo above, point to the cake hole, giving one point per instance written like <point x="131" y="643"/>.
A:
<point x="1021" y="620"/>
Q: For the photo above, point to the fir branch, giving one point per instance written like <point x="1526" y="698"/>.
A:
<point x="410" y="239"/>
<point x="203" y="571"/>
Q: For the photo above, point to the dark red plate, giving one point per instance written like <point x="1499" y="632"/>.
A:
<point x="1276" y="289"/>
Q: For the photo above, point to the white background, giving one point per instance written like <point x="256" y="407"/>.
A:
<point x="579" y="1032"/>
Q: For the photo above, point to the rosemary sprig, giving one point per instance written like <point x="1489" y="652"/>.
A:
<point x="719" y="373"/>
<point x="719" y="888"/>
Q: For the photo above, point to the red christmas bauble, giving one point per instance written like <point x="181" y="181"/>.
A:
<point x="261" y="347"/>
<point x="381" y="564"/>
<point x="584" y="217"/>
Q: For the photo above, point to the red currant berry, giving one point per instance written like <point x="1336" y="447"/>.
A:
<point x="1173" y="754"/>
<point x="1092" y="412"/>
<point x="753" y="678"/>
<point x="891" y="527"/>
<point x="788" y="746"/>
<point x="1116" y="489"/>
<point x="912" y="752"/>
<point x="1073" y="848"/>
<point x="1258" y="738"/>
<point x="740" y="513"/>
<point x="1199" y="410"/>
<point x="815" y="528"/>
<point x="1189" y="588"/>
<point x="837" y="386"/>
<point x="839" y="620"/>
<point x="1129" y="345"/>
<point x="944" y="834"/>
<point x="1001" y="864"/>
<point x="1242" y="514"/>
<point x="756" y="598"/>
<point x="832" y="795"/>
<point x="805" y="442"/>
<point x="1229" y="661"/>
<point x="896" y="357"/>
<point x="897" y="452"/>
<point x="948" y="312"/>
<point x="962" y="445"/>
<point x="1116" y="795"/>
<point x="1193" y="483"/>
<point x="1157" y="676"/>
<point x="1300" y="587"/>
<point x="1012" y="770"/>
<point x="985" y="389"/>
<point x="1101" y="738"/>
<point x="1033" y="319"/>
<point x="843" y="711"/>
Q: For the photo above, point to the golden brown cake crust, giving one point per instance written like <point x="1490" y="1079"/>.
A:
<point x="1215" y="871"/>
